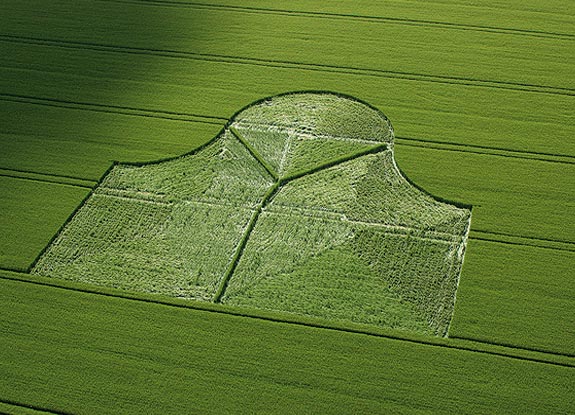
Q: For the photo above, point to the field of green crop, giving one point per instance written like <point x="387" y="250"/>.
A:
<point x="481" y="96"/>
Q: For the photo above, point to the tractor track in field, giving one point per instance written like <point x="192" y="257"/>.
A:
<point x="485" y="150"/>
<point x="217" y="120"/>
<point x="40" y="409"/>
<point x="526" y="237"/>
<point x="114" y="109"/>
<point x="48" y="178"/>
<point x="545" y="356"/>
<point x="510" y="239"/>
<point x="21" y="172"/>
<point x="349" y="16"/>
<point x="315" y="67"/>
<point x="45" y="180"/>
<point x="532" y="245"/>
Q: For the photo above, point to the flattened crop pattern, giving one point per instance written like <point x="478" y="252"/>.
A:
<point x="296" y="206"/>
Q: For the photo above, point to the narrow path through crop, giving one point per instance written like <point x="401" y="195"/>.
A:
<point x="39" y="409"/>
<point x="475" y="346"/>
<point x="307" y="66"/>
<point x="218" y="120"/>
<point x="48" y="177"/>
<point x="348" y="16"/>
<point x="113" y="109"/>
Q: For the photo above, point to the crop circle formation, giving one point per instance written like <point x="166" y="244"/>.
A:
<point x="296" y="206"/>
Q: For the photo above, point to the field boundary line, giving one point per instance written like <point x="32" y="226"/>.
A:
<point x="317" y="67"/>
<point x="47" y="178"/>
<point x="40" y="409"/>
<point x="349" y="16"/>
<point x="113" y="109"/>
<point x="542" y="356"/>
<point x="485" y="150"/>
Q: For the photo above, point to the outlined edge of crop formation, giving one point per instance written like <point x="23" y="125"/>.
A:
<point x="296" y="206"/>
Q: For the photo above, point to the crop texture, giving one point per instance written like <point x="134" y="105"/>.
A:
<point x="296" y="206"/>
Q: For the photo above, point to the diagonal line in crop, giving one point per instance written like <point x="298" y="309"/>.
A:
<point x="268" y="197"/>
<point x="255" y="154"/>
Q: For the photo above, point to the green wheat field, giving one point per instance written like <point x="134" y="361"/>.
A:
<point x="335" y="207"/>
